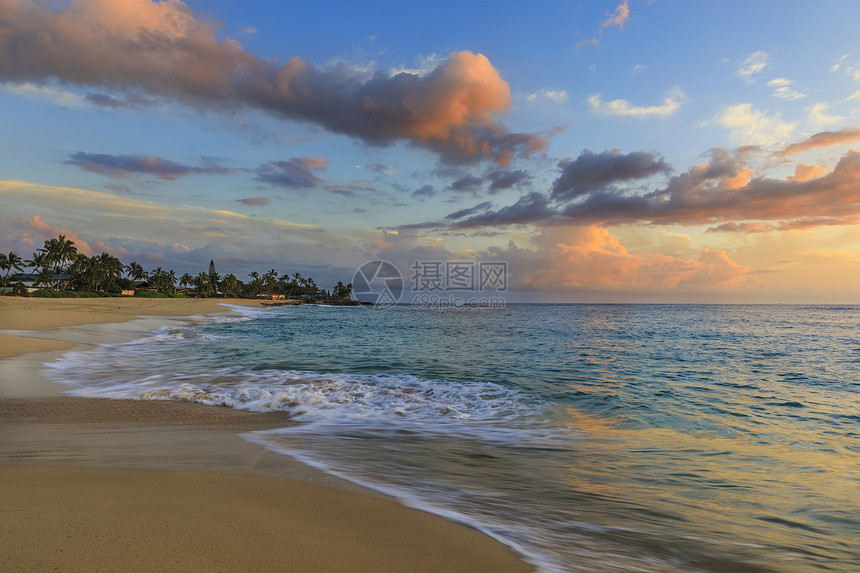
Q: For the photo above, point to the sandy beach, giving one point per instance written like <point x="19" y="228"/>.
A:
<point x="108" y="485"/>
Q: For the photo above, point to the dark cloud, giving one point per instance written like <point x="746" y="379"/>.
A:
<point x="111" y="102"/>
<point x="709" y="193"/>
<point x="125" y="166"/>
<point x="380" y="168"/>
<point x="596" y="171"/>
<point x="299" y="172"/>
<point x="471" y="144"/>
<point x="469" y="211"/>
<point x="467" y="183"/>
<point x="164" y="50"/>
<point x="721" y="192"/>
<point x="528" y="209"/>
<point x="254" y="201"/>
<point x="424" y="192"/>
<point x="502" y="179"/>
<point x="118" y="188"/>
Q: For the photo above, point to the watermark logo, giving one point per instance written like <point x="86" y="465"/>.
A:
<point x="434" y="284"/>
<point x="377" y="283"/>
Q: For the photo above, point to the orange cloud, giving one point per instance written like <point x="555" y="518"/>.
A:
<point x="738" y="181"/>
<point x="806" y="172"/>
<point x="823" y="139"/>
<point x="617" y="18"/>
<point x="591" y="257"/>
<point x="163" y="49"/>
<point x="466" y="90"/>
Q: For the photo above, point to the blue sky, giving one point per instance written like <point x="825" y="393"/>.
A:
<point x="632" y="151"/>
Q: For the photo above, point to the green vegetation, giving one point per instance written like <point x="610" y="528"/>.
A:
<point x="62" y="271"/>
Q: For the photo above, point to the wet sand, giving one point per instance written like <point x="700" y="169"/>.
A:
<point x="102" y="485"/>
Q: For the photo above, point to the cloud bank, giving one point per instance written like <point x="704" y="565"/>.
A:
<point x="723" y="191"/>
<point x="126" y="166"/>
<point x="164" y="50"/>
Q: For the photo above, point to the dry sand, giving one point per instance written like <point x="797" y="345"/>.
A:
<point x="110" y="485"/>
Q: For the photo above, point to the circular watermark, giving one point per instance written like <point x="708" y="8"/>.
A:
<point x="377" y="283"/>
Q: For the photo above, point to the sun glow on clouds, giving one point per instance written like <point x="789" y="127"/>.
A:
<point x="162" y="49"/>
<point x="592" y="257"/>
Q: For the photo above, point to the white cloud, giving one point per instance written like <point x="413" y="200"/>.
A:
<point x="750" y="126"/>
<point x="424" y="65"/>
<point x="842" y="65"/>
<point x="819" y="119"/>
<point x="624" y="108"/>
<point x="555" y="96"/>
<point x="783" y="90"/>
<point x="44" y="93"/>
<point x="754" y="64"/>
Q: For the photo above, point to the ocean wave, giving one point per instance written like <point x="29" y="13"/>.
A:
<point x="480" y="409"/>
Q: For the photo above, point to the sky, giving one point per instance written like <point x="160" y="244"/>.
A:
<point x="634" y="151"/>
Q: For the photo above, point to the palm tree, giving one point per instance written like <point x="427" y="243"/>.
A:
<point x="256" y="284"/>
<point x="203" y="284"/>
<point x="82" y="273"/>
<point x="135" y="271"/>
<point x="39" y="261"/>
<point x="230" y="284"/>
<point x="60" y="251"/>
<point x="270" y="280"/>
<point x="45" y="277"/>
<point x="186" y="280"/>
<point x="341" y="291"/>
<point x="157" y="278"/>
<point x="9" y="263"/>
<point x="169" y="282"/>
<point x="65" y="251"/>
<point x="110" y="269"/>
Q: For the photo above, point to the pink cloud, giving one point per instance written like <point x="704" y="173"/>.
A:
<point x="36" y="226"/>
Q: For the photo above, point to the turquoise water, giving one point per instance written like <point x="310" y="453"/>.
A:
<point x="588" y="437"/>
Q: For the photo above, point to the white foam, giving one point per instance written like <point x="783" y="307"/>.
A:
<point x="249" y="313"/>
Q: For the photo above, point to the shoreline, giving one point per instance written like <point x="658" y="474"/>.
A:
<point x="194" y="493"/>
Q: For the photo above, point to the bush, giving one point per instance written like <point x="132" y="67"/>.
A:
<point x="150" y="294"/>
<point x="47" y="293"/>
<point x="85" y="294"/>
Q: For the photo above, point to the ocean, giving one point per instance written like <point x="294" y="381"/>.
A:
<point x="587" y="437"/>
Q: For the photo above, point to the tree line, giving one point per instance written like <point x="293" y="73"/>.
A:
<point x="59" y="266"/>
